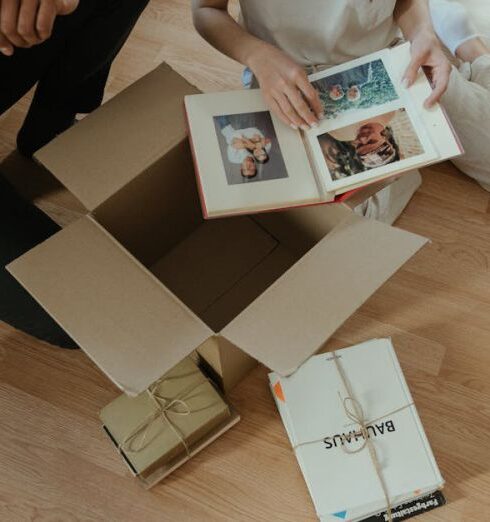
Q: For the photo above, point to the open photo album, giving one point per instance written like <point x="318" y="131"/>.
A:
<point x="248" y="161"/>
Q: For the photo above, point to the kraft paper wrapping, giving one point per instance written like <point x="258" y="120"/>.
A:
<point x="161" y="424"/>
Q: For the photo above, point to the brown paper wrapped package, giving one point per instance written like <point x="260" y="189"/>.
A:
<point x="160" y="426"/>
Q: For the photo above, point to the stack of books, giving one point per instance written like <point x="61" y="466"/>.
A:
<point x="361" y="447"/>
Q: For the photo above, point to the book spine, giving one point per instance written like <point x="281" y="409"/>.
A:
<point x="411" y="509"/>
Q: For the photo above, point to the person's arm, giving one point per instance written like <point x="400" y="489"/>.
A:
<point x="241" y="143"/>
<point x="413" y="18"/>
<point x="229" y="133"/>
<point x="24" y="23"/>
<point x="284" y="83"/>
<point x="249" y="144"/>
<point x="261" y="142"/>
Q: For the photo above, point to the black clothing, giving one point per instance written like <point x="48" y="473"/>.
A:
<point x="70" y="68"/>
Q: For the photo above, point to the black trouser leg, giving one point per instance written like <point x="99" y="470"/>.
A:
<point x="20" y="72"/>
<point x="22" y="226"/>
<point x="71" y="68"/>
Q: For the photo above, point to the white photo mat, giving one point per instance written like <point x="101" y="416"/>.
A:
<point x="300" y="186"/>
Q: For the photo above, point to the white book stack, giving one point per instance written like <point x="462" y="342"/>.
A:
<point x="356" y="433"/>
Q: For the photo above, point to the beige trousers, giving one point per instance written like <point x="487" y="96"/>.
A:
<point x="467" y="103"/>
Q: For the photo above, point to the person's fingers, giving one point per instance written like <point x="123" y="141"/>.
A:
<point x="301" y="107"/>
<point x="6" y="47"/>
<point x="440" y="79"/>
<point x="312" y="97"/>
<point x="413" y="69"/>
<point x="26" y="24"/>
<point x="66" y="7"/>
<point x="274" y="106"/>
<point x="45" y="19"/>
<point x="295" y="120"/>
<point x="9" y="14"/>
<point x="277" y="110"/>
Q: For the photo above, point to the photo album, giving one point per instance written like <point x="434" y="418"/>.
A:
<point x="374" y="128"/>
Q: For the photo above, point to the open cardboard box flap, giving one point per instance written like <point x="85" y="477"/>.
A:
<point x="135" y="329"/>
<point x="110" y="148"/>
<point x="294" y="317"/>
<point x="128" y="323"/>
<point x="120" y="161"/>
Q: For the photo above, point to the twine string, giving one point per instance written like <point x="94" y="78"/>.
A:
<point x="355" y="413"/>
<point x="137" y="439"/>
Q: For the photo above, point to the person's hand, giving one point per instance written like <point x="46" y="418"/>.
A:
<point x="427" y="53"/>
<point x="248" y="144"/>
<point x="285" y="87"/>
<point x="239" y="143"/>
<point x="24" y="23"/>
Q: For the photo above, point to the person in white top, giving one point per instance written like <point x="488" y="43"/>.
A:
<point x="278" y="40"/>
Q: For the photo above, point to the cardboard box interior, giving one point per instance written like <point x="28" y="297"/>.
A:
<point x="142" y="280"/>
<point x="218" y="267"/>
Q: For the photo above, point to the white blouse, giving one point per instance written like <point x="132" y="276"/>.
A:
<point x="322" y="32"/>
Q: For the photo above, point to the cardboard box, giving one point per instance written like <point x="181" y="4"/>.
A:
<point x="141" y="281"/>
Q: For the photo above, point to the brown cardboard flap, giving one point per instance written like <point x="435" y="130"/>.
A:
<point x="107" y="149"/>
<point x="246" y="290"/>
<point x="299" y="229"/>
<point x="208" y="263"/>
<point x="296" y="315"/>
<point x="131" y="326"/>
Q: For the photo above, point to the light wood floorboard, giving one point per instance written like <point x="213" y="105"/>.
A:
<point x="56" y="464"/>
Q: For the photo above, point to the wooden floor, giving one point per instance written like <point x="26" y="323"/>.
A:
<point x="56" y="465"/>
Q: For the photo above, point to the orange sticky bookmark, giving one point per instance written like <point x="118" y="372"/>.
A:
<point x="279" y="392"/>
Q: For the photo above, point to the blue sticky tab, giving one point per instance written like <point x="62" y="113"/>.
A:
<point x="340" y="514"/>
